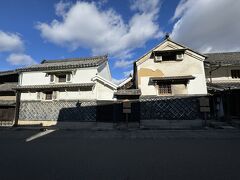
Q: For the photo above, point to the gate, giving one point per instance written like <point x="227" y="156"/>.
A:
<point x="114" y="112"/>
<point x="7" y="115"/>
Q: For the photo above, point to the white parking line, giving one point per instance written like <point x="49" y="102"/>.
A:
<point x="40" y="134"/>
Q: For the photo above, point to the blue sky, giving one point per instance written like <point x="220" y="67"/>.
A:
<point x="33" y="30"/>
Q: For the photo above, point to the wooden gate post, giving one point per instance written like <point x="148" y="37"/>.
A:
<point x="127" y="109"/>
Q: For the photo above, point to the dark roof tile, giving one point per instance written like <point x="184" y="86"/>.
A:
<point x="66" y="63"/>
<point x="54" y="86"/>
<point x="223" y="58"/>
<point x="7" y="87"/>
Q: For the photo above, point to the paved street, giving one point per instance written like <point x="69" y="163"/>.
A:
<point x="137" y="154"/>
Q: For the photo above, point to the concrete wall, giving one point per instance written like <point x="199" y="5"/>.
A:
<point x="192" y="64"/>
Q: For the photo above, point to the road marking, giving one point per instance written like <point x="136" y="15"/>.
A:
<point x="40" y="134"/>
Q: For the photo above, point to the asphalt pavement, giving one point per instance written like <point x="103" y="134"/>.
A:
<point x="124" y="155"/>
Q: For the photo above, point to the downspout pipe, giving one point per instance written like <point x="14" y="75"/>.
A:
<point x="212" y="70"/>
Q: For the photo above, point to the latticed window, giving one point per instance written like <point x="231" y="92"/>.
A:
<point x="51" y="78"/>
<point x="165" y="89"/>
<point x="62" y="78"/>
<point x="235" y="73"/>
<point x="68" y="77"/>
<point x="49" y="95"/>
<point x="38" y="95"/>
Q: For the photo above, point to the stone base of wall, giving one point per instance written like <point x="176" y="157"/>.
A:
<point x="36" y="122"/>
<point x="172" y="124"/>
<point x="61" y="111"/>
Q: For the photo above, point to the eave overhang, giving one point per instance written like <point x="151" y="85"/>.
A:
<point x="54" y="86"/>
<point x="128" y="92"/>
<point x="172" y="79"/>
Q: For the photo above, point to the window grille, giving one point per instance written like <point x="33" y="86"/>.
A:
<point x="62" y="78"/>
<point x="49" y="95"/>
<point x="68" y="77"/>
<point x="235" y="73"/>
<point x="38" y="95"/>
<point x="165" y="89"/>
<point x="51" y="78"/>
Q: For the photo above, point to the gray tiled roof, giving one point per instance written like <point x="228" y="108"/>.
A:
<point x="7" y="103"/>
<point x="128" y="92"/>
<point x="7" y="87"/>
<point x="66" y="63"/>
<point x="54" y="86"/>
<point x="223" y="58"/>
<point x="4" y="73"/>
<point x="224" y="85"/>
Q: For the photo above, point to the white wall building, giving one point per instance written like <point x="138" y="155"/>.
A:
<point x="170" y="69"/>
<point x="68" y="79"/>
<point x="61" y="84"/>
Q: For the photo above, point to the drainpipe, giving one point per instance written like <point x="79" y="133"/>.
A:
<point x="212" y="70"/>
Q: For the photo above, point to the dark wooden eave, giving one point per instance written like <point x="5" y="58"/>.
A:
<point x="128" y="92"/>
<point x="54" y="86"/>
<point x="175" y="51"/>
<point x="222" y="86"/>
<point x="172" y="79"/>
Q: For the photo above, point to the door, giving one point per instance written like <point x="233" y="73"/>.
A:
<point x="7" y="113"/>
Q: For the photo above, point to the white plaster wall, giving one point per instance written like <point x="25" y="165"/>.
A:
<point x="77" y="95"/>
<point x="40" y="78"/>
<point x="198" y="85"/>
<point x="84" y="75"/>
<point x="188" y="66"/>
<point x="104" y="92"/>
<point x="146" y="88"/>
<point x="104" y="71"/>
<point x="34" y="78"/>
<point x="29" y="96"/>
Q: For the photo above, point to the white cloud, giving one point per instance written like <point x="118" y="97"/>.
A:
<point x="145" y="6"/>
<point x="86" y="25"/>
<point x="208" y="25"/>
<point x="10" y="42"/>
<point x="14" y="46"/>
<point x="61" y="8"/>
<point x="123" y="64"/>
<point x="20" y="59"/>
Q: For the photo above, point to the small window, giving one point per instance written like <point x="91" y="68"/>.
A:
<point x="158" y="58"/>
<point x="51" y="78"/>
<point x="49" y="95"/>
<point x="235" y="73"/>
<point x="62" y="78"/>
<point x="165" y="89"/>
<point x="179" y="57"/>
<point x="68" y="77"/>
<point x="54" y="95"/>
<point x="38" y="95"/>
<point x="169" y="57"/>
